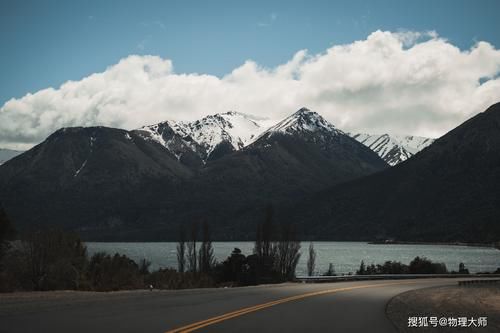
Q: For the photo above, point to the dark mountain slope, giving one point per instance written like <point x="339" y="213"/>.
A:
<point x="140" y="185"/>
<point x="82" y="177"/>
<point x="301" y="155"/>
<point x="449" y="191"/>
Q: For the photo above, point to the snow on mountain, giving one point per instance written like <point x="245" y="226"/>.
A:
<point x="232" y="127"/>
<point x="393" y="149"/>
<point x="205" y="135"/>
<point x="169" y="135"/>
<point x="302" y="121"/>
<point x="218" y="134"/>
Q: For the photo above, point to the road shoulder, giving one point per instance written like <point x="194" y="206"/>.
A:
<point x="455" y="301"/>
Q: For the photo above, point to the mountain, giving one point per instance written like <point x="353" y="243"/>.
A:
<point x="111" y="184"/>
<point x="214" y="135"/>
<point x="86" y="177"/>
<point x="392" y="148"/>
<point x="300" y="155"/>
<point x="7" y="154"/>
<point x="448" y="192"/>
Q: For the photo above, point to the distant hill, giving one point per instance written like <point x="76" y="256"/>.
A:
<point x="7" y="154"/>
<point x="450" y="191"/>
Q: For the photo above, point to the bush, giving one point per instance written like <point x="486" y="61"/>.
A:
<point x="107" y="273"/>
<point x="46" y="260"/>
<point x="426" y="266"/>
<point x="416" y="266"/>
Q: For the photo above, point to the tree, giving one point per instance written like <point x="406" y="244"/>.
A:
<point x="287" y="255"/>
<point x="206" y="254"/>
<point x="234" y="268"/>
<point x="362" y="268"/>
<point x="144" y="265"/>
<point x="257" y="249"/>
<point x="115" y="272"/>
<point x="191" y="247"/>
<point x="462" y="269"/>
<point x="268" y="249"/>
<point x="330" y="271"/>
<point x="56" y="259"/>
<point x="181" y="250"/>
<point x="263" y="262"/>
<point x="425" y="266"/>
<point x="311" y="261"/>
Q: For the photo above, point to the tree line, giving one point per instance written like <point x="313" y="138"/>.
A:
<point x="274" y="259"/>
<point x="52" y="259"/>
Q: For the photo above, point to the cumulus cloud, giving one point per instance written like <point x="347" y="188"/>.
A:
<point x="401" y="83"/>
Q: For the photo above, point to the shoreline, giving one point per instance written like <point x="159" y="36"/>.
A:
<point x="389" y="242"/>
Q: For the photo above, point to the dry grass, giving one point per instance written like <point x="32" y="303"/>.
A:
<point x="451" y="301"/>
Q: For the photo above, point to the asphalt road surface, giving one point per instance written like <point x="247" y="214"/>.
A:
<point x="293" y="307"/>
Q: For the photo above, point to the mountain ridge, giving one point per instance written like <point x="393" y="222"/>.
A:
<point x="447" y="192"/>
<point x="152" y="179"/>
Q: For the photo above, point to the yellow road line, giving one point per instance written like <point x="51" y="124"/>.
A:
<point x="203" y="323"/>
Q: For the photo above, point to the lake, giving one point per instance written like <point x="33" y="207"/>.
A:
<point x="345" y="256"/>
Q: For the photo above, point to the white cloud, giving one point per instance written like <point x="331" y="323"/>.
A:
<point x="406" y="83"/>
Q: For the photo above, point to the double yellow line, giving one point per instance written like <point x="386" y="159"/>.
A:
<point x="200" y="324"/>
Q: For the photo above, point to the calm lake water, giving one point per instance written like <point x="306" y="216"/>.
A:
<point x="345" y="256"/>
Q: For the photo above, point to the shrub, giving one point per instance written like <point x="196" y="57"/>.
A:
<point x="116" y="272"/>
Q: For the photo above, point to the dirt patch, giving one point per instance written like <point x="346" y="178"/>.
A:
<point x="448" y="302"/>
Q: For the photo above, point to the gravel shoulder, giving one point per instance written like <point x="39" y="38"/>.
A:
<point x="481" y="300"/>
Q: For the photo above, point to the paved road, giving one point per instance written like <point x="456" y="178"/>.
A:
<point x="333" y="307"/>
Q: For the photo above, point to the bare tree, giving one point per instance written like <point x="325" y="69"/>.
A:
<point x="311" y="261"/>
<point x="206" y="254"/>
<point x="181" y="250"/>
<point x="287" y="254"/>
<point x="268" y="248"/>
<point x="192" y="254"/>
<point x="257" y="249"/>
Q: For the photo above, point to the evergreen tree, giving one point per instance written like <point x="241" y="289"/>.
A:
<point x="362" y="268"/>
<point x="330" y="271"/>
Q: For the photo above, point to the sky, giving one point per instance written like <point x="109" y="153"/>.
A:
<point x="401" y="67"/>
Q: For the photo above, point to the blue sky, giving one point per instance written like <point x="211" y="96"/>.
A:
<point x="381" y="66"/>
<point x="46" y="43"/>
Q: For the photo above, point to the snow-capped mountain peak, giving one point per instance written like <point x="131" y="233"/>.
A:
<point x="215" y="135"/>
<point x="303" y="120"/>
<point x="231" y="129"/>
<point x="393" y="149"/>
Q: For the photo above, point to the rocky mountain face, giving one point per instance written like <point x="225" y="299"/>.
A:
<point x="114" y="184"/>
<point x="448" y="192"/>
<point x="392" y="148"/>
<point x="212" y="136"/>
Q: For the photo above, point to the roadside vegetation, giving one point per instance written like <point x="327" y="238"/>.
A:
<point x="419" y="265"/>
<point x="53" y="259"/>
